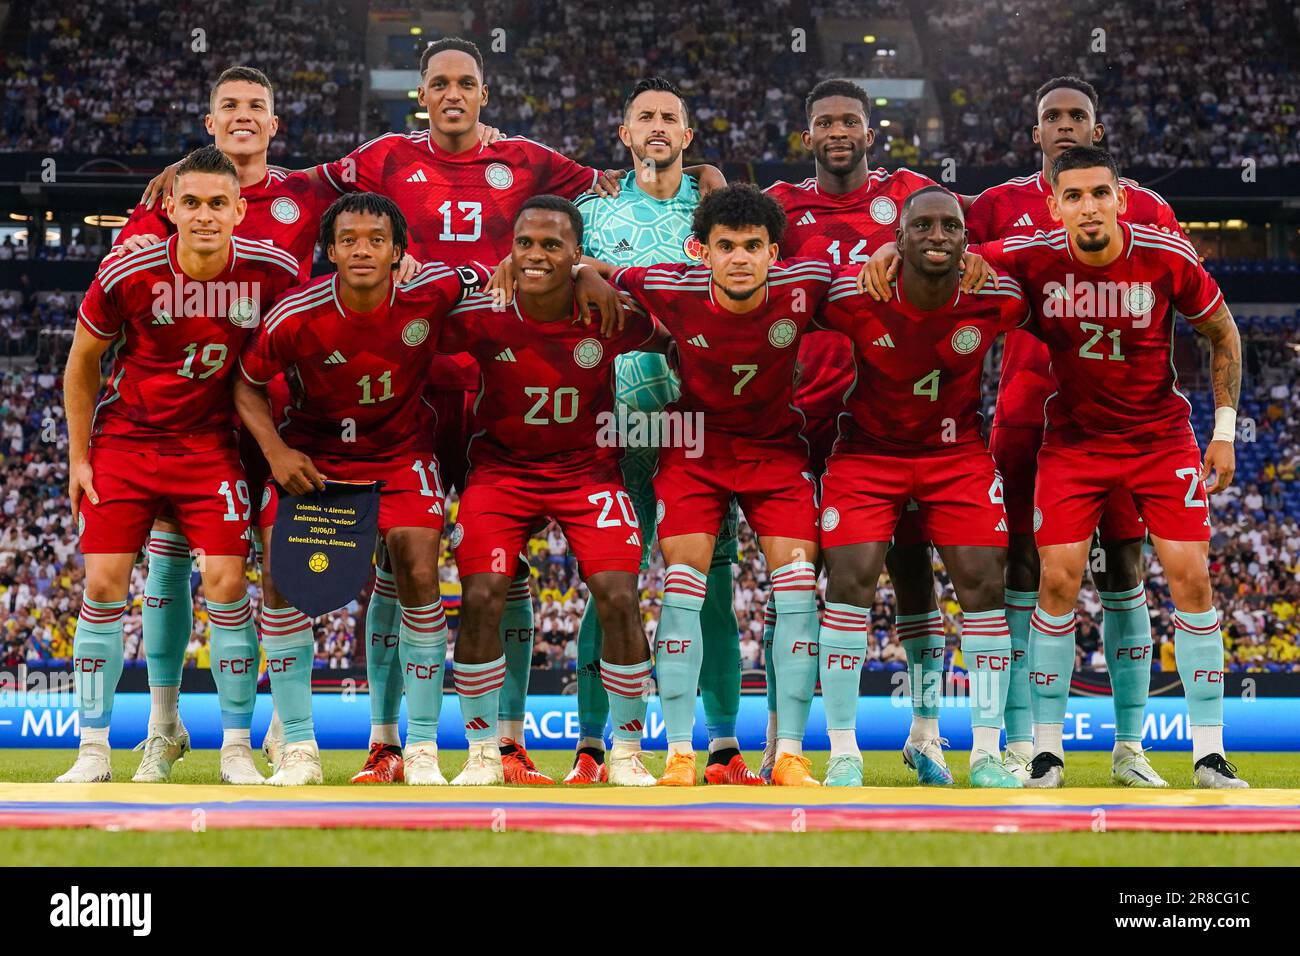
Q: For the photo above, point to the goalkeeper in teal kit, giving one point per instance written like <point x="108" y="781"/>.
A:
<point x="650" y="222"/>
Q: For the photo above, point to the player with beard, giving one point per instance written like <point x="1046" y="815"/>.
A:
<point x="843" y="215"/>
<point x="1067" y="117"/>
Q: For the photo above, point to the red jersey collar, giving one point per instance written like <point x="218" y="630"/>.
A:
<point x="174" y="240"/>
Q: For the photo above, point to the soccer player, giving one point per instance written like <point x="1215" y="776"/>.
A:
<point x="177" y="314"/>
<point x="843" y="215"/>
<point x="736" y="321"/>
<point x="355" y="347"/>
<point x="913" y="435"/>
<point x="546" y="389"/>
<point x="650" y="221"/>
<point x="1066" y="114"/>
<point x="1105" y="292"/>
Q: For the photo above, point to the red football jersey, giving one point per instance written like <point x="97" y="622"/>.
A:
<point x="1018" y="207"/>
<point x="178" y="341"/>
<point x="917" y="387"/>
<point x="546" y="388"/>
<point x="842" y="230"/>
<point x="283" y="210"/>
<point x="356" y="379"/>
<point x="1109" y="332"/>
<point x="738" y="371"/>
<point x="458" y="206"/>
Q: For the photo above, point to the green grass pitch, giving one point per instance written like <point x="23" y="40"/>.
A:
<point x="362" y="847"/>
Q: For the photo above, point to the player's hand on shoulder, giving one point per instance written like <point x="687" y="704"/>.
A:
<point x="501" y="287"/>
<point x="295" y="472"/>
<point x="591" y="290"/>
<point x="487" y="135"/>
<point x="711" y="178"/>
<point x="1221" y="461"/>
<point x="607" y="184"/>
<point x="878" y="272"/>
<point x="974" y="272"/>
<point x="406" y="269"/>
<point x="159" y="186"/>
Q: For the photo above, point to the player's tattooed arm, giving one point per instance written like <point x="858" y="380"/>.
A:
<point x="1225" y="374"/>
<point x="501" y="287"/>
<point x="709" y="177"/>
<point x="81" y="381"/>
<point x="159" y="186"/>
<point x="293" y="471"/>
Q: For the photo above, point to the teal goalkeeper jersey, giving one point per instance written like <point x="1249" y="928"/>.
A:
<point x="638" y="230"/>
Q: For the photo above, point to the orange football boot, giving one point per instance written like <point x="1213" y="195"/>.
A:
<point x="518" y="766"/>
<point x="734" y="771"/>
<point x="680" y="771"/>
<point x="586" y="771"/>
<point x="793" y="770"/>
<point x="383" y="765"/>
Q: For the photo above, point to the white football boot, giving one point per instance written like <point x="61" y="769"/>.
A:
<point x="299" y="765"/>
<point x="483" y="768"/>
<point x="273" y="744"/>
<point x="1018" y="764"/>
<point x="1046" y="771"/>
<point x="162" y="750"/>
<point x="627" y="770"/>
<point x="91" y="766"/>
<point x="1129" y="766"/>
<point x="237" y="766"/>
<point x="420" y="766"/>
<point x="1213" y="772"/>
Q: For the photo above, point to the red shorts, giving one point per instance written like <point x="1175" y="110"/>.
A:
<point x="1164" y="484"/>
<point x="1015" y="449"/>
<point x="500" y="508"/>
<point x="958" y="493"/>
<point x="203" y="492"/>
<point x="777" y="495"/>
<point x="455" y="413"/>
<point x="910" y="531"/>
<point x="820" y="432"/>
<point x="412" y="496"/>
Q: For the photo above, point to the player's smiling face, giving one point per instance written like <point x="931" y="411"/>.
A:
<point x="205" y="207"/>
<point x="363" y="249"/>
<point x="1065" y="119"/>
<point x="739" y="258"/>
<point x="453" y="92"/>
<point x="655" y="129"/>
<point x="1088" y="202"/>
<point x="838" y="134"/>
<point x="241" y="121"/>
<point x="932" y="235"/>
<point x="544" y="251"/>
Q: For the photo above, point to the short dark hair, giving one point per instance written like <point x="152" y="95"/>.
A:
<point x="1067" y="83"/>
<point x="371" y="203"/>
<point x="207" y="159"/>
<point x="246" y="74"/>
<point x="925" y="191"/>
<point x="837" y="88"/>
<point x="737" y="206"/>
<point x="554" y="204"/>
<point x="655" y="84"/>
<point x="451" y="43"/>
<point x="1083" y="157"/>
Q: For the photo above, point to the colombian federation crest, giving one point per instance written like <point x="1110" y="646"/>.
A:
<point x="782" y="333"/>
<point x="243" y="313"/>
<point x="1139" y="299"/>
<point x="1038" y="519"/>
<point x="499" y="176"/>
<point x="692" y="249"/>
<point x="588" y="353"/>
<point x="416" y="331"/>
<point x="457" y="536"/>
<point x="659" y="511"/>
<point x="285" y="210"/>
<point x="883" y="210"/>
<point x="830" y="519"/>
<point x="81" y="522"/>
<point x="966" y="340"/>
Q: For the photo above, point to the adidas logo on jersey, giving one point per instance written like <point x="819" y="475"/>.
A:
<point x="335" y="358"/>
<point x="1023" y="221"/>
<point x="1002" y="525"/>
<point x="162" y="318"/>
<point x="506" y="356"/>
<point x="699" y="342"/>
<point x="623" y="246"/>
<point x="417" y="177"/>
<point x="807" y="219"/>
<point x="884" y="341"/>
<point x="633" y="538"/>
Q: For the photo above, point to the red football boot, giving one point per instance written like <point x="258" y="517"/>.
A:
<point x="518" y="767"/>
<point x="733" y="772"/>
<point x="383" y="765"/>
<point x="586" y="770"/>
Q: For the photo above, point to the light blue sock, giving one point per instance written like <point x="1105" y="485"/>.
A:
<point x="234" y="661"/>
<point x="986" y="649"/>
<point x="167" y="611"/>
<point x="794" y="588"/>
<point x="1198" y="644"/>
<point x="842" y="643"/>
<point x="517" y="643"/>
<point x="1051" y="664"/>
<point x="593" y="700"/>
<point x="924" y="643"/>
<point x="626" y="685"/>
<point x="97" y="660"/>
<point x="769" y="658"/>
<point x="720" y="669"/>
<point x="479" y="687"/>
<point x="422" y="650"/>
<point x="1126" y="638"/>
<point x="383" y="659"/>
<point x="289" y="644"/>
<point x="679" y="650"/>
<point x="1019" y="721"/>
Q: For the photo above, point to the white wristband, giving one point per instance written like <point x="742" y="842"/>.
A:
<point x="573" y="273"/>
<point x="1225" y="424"/>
